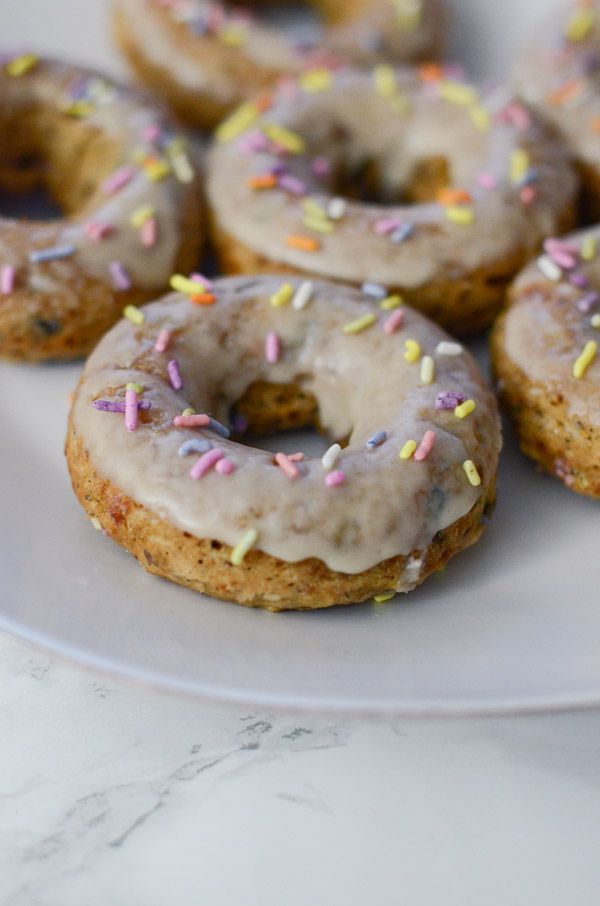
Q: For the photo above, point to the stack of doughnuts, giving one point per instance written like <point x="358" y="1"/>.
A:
<point x="365" y="200"/>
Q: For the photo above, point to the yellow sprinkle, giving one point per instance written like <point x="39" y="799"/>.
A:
<point x="79" y="109"/>
<point x="189" y="411"/>
<point x="427" y="370"/>
<point x="579" y="24"/>
<point x="384" y="77"/>
<point x="240" y="120"/>
<point x="247" y="541"/>
<point x="293" y="143"/>
<point x="391" y="302"/>
<point x="585" y="359"/>
<point x="588" y="248"/>
<point x="408" y="449"/>
<point x="379" y="599"/>
<point x="233" y="35"/>
<point x="457" y="93"/>
<point x="400" y="103"/>
<point x="182" y="167"/>
<point x="595" y="320"/>
<point x="133" y="314"/>
<point x="519" y="164"/>
<point x="132" y="385"/>
<point x="359" y="324"/>
<point x="183" y="284"/>
<point x="480" y="117"/>
<point x="318" y="224"/>
<point x="412" y="351"/>
<point x="141" y="215"/>
<point x="471" y="472"/>
<point x="315" y="80"/>
<point x="408" y="14"/>
<point x="156" y="169"/>
<point x="313" y="208"/>
<point x="464" y="409"/>
<point x="21" y="65"/>
<point x="460" y="214"/>
<point x="282" y="296"/>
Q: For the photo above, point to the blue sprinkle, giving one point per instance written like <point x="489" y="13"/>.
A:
<point x="532" y="175"/>
<point x="218" y="428"/>
<point x="375" y="290"/>
<point x="404" y="231"/>
<point x="51" y="253"/>
<point x="376" y="440"/>
<point x="196" y="445"/>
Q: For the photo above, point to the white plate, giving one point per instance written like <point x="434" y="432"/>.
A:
<point x="512" y="624"/>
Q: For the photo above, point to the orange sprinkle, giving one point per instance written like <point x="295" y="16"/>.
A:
<point x="565" y="92"/>
<point x="304" y="243"/>
<point x="203" y="298"/>
<point x="528" y="194"/>
<point x="263" y="102"/>
<point x="430" y="72"/>
<point x="263" y="181"/>
<point x="448" y="196"/>
<point x="595" y="124"/>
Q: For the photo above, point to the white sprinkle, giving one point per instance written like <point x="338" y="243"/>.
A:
<point x="330" y="457"/>
<point x="445" y="347"/>
<point x="595" y="320"/>
<point x="336" y="208"/>
<point x="375" y="290"/>
<point x="302" y="295"/>
<point x="427" y="369"/>
<point x="549" y="268"/>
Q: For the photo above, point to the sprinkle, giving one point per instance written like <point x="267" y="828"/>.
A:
<point x="449" y="399"/>
<point x="141" y="215"/>
<point x="203" y="298"/>
<point x="376" y="440"/>
<point x="163" y="340"/>
<point x="282" y="296"/>
<point x="359" y="324"/>
<point x="199" y="420"/>
<point x="587" y="302"/>
<point x="527" y="194"/>
<point x="446" y="347"/>
<point x="561" y="253"/>
<point x="408" y="449"/>
<point x="334" y="479"/>
<point x="114" y="406"/>
<point x="200" y="278"/>
<point x="134" y="314"/>
<point x="96" y="231"/>
<point x="224" y="467"/>
<point x="296" y="457"/>
<point x="549" y="269"/>
<point x="375" y="290"/>
<point x="330" y="457"/>
<point x="148" y="232"/>
<point x="7" y="279"/>
<point x="262" y="181"/>
<point x="195" y="445"/>
<point x="579" y="24"/>
<point x="51" y="253"/>
<point x="381" y="599"/>
<point x="246" y="542"/>
<point x="412" y="351"/>
<point x="459" y="214"/>
<point x="450" y="196"/>
<point x="272" y="348"/>
<point x="233" y="35"/>
<point x="182" y="167"/>
<point x="21" y="65"/>
<point x="155" y="168"/>
<point x="174" y="375"/>
<point x="303" y="243"/>
<point x="585" y="359"/>
<point x="292" y="184"/>
<point x="287" y="139"/>
<point x="218" y="428"/>
<point x="457" y="93"/>
<point x="486" y="181"/>
<point x="519" y="161"/>
<point x="595" y="320"/>
<point x="131" y="409"/>
<point x="253" y="142"/>
<point x="206" y="462"/>
<point x="588" y="248"/>
<point x="239" y="121"/>
<point x="189" y="411"/>
<point x="391" y="302"/>
<point x="515" y="114"/>
<point x="384" y="77"/>
<point x="386" y="225"/>
<point x="119" y="275"/>
<point x="427" y="369"/>
<point x="464" y="409"/>
<point x="394" y="322"/>
<point x="303" y="295"/>
<point x="287" y="466"/>
<point x="471" y="472"/>
<point x="480" y="117"/>
<point x="337" y="208"/>
<point x="313" y="209"/>
<point x="402" y="233"/>
<point x="133" y="385"/>
<point x="319" y="225"/>
<point x="315" y="80"/>
<point x="576" y="278"/>
<point x="425" y="446"/>
<point x="183" y="284"/>
<point x="117" y="180"/>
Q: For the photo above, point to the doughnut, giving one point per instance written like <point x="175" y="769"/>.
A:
<point x="558" y="76"/>
<point x="404" y="177"/>
<point x="407" y="480"/>
<point x="204" y="58"/>
<point x="129" y="194"/>
<point x="544" y="353"/>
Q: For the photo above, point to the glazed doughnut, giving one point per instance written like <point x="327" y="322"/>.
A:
<point x="558" y="76"/>
<point x="544" y="356"/>
<point x="412" y="485"/>
<point x="129" y="194"/>
<point x="204" y="59"/>
<point x="459" y="193"/>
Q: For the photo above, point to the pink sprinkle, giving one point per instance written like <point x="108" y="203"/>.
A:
<point x="96" y="231"/>
<point x="148" y="232"/>
<point x="296" y="457"/>
<point x="191" y="421"/>
<point x="515" y="114"/>
<point x="333" y="479"/>
<point x="131" y="409"/>
<point x="163" y="340"/>
<point x="206" y="461"/>
<point x="286" y="465"/>
<point x="252" y="142"/>
<point x="151" y="133"/>
<point x="292" y="184"/>
<point x="395" y="320"/>
<point x="288" y="87"/>
<point x="224" y="467"/>
<point x="386" y="225"/>
<point x="272" y="348"/>
<point x="320" y="166"/>
<point x="200" y="278"/>
<point x="174" y="375"/>
<point x="561" y="253"/>
<point x="527" y="194"/>
<point x="486" y="180"/>
<point x="7" y="279"/>
<point x="425" y="446"/>
<point x="119" y="275"/>
<point x="117" y="180"/>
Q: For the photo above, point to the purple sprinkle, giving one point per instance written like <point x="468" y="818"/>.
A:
<point x="110" y="406"/>
<point x="449" y="399"/>
<point x="119" y="275"/>
<point x="578" y="279"/>
<point x="218" y="428"/>
<point x="320" y="166"/>
<point x="239" y="423"/>
<point x="587" y="302"/>
<point x="404" y="231"/>
<point x="376" y="440"/>
<point x="195" y="445"/>
<point x="174" y="376"/>
<point x="51" y="253"/>
<point x="131" y="409"/>
<point x="292" y="184"/>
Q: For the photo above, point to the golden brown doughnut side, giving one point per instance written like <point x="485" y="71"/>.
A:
<point x="261" y="580"/>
